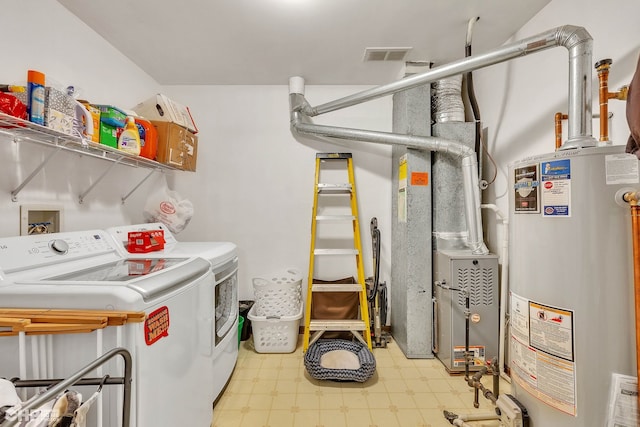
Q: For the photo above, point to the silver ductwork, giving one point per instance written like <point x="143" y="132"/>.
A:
<point x="575" y="39"/>
<point x="475" y="240"/>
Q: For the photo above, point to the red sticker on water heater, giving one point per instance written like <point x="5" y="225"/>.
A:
<point x="156" y="325"/>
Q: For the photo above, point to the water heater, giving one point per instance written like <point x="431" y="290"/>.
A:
<point x="572" y="333"/>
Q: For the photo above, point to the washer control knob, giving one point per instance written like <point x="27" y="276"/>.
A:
<point x="59" y="246"/>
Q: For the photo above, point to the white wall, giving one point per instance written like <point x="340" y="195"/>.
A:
<point x="254" y="183"/>
<point x="518" y="99"/>
<point x="44" y="36"/>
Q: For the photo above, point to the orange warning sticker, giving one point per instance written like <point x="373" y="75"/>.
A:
<point x="419" y="178"/>
<point x="156" y="325"/>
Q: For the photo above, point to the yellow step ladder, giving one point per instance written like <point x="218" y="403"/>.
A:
<point x="360" y="328"/>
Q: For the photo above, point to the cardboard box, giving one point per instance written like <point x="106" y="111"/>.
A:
<point x="161" y="108"/>
<point x="145" y="241"/>
<point x="111" y="119"/>
<point x="177" y="146"/>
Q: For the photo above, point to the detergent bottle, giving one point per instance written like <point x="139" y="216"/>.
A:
<point x="129" y="140"/>
<point x="35" y="96"/>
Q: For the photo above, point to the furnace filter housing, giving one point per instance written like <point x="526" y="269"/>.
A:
<point x="571" y="275"/>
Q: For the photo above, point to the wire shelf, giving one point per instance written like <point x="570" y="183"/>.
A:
<point x="19" y="131"/>
<point x="22" y="130"/>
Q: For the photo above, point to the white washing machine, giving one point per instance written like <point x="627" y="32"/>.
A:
<point x="224" y="263"/>
<point x="172" y="350"/>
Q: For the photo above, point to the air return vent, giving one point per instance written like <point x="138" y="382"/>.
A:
<point x="479" y="282"/>
<point x="386" y="53"/>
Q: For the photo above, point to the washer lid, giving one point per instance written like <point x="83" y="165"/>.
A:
<point x="149" y="277"/>
<point x="122" y="270"/>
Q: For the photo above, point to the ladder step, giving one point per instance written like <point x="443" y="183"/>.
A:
<point x="334" y="188"/>
<point x="335" y="252"/>
<point x="335" y="218"/>
<point x="336" y="287"/>
<point x="333" y="156"/>
<point x="337" y="325"/>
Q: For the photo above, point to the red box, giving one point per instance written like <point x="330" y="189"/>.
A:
<point x="145" y="241"/>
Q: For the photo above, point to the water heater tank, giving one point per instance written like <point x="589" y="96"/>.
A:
<point x="571" y="303"/>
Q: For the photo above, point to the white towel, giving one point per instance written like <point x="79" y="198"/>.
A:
<point x="8" y="394"/>
<point x="80" y="415"/>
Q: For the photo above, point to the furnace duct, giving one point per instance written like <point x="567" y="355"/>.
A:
<point x="446" y="101"/>
<point x="576" y="40"/>
<point x="469" y="163"/>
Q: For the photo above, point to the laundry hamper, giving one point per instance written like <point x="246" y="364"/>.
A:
<point x="274" y="334"/>
<point x="278" y="294"/>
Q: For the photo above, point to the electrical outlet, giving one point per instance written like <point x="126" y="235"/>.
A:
<point x="40" y="219"/>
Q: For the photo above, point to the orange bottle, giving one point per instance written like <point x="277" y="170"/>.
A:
<point x="148" y="138"/>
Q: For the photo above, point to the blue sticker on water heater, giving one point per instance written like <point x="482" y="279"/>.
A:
<point x="556" y="188"/>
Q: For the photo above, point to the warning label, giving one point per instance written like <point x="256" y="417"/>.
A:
<point x="419" y="178"/>
<point x="156" y="325"/>
<point x="556" y="188"/>
<point x="542" y="352"/>
<point x="526" y="189"/>
<point x="622" y="169"/>
<point x="476" y="352"/>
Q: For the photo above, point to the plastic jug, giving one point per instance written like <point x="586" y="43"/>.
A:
<point x="129" y="140"/>
<point x="148" y="138"/>
<point x="83" y="122"/>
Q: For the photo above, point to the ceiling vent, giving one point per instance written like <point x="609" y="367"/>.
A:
<point x="386" y="53"/>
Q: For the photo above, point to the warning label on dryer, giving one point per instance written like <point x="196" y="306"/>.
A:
<point x="542" y="352"/>
<point x="156" y="325"/>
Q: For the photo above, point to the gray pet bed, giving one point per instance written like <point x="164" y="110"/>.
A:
<point x="339" y="360"/>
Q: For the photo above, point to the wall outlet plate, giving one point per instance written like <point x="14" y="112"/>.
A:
<point x="40" y="219"/>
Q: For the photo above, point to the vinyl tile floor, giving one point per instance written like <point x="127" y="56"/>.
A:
<point x="275" y="390"/>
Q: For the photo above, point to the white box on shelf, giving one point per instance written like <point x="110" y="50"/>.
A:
<point x="161" y="108"/>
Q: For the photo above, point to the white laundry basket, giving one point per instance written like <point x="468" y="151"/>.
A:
<point x="277" y="334"/>
<point x="278" y="294"/>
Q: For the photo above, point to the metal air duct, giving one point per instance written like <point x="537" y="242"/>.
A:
<point x="575" y="39"/>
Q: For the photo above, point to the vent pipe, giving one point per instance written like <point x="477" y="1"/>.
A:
<point x="575" y="39"/>
<point x="475" y="240"/>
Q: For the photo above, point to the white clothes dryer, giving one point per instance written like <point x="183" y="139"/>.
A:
<point x="224" y="263"/>
<point x="172" y="350"/>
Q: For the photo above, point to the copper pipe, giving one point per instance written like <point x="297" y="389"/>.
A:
<point x="632" y="199"/>
<point x="603" y="77"/>
<point x="559" y="118"/>
<point x="603" y="67"/>
<point x="621" y="94"/>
